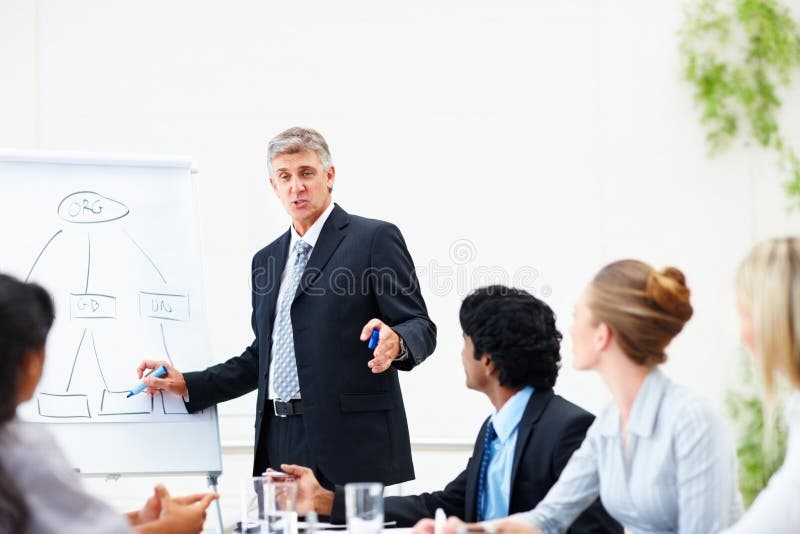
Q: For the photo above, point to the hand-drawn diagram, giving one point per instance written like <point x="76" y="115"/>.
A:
<point x="90" y="397"/>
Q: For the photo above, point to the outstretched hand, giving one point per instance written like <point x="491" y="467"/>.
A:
<point x="162" y="513"/>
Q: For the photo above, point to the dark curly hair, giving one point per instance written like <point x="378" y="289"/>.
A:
<point x="26" y="315"/>
<point x="517" y="331"/>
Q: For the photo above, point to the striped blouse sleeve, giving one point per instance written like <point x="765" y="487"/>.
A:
<point x="575" y="490"/>
<point x="706" y="471"/>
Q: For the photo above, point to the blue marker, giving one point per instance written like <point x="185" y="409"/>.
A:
<point x="374" y="338"/>
<point x="158" y="373"/>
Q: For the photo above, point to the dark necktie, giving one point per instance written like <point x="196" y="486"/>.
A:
<point x="488" y="439"/>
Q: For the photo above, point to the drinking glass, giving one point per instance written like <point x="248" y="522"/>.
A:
<point x="364" y="507"/>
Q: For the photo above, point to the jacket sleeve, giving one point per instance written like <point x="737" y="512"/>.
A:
<point x="393" y="280"/>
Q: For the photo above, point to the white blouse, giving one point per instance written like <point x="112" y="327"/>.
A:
<point x="51" y="489"/>
<point x="777" y="508"/>
<point x="678" y="475"/>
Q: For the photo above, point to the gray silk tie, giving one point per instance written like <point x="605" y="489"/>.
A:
<point x="286" y="382"/>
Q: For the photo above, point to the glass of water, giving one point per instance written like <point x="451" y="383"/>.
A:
<point x="363" y="503"/>
<point x="253" y="518"/>
<point x="280" y="505"/>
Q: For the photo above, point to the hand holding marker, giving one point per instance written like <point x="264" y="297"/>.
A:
<point x="374" y="338"/>
<point x="141" y="386"/>
<point x="384" y="343"/>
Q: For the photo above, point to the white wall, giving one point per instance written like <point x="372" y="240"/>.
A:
<point x="18" y="90"/>
<point x="554" y="136"/>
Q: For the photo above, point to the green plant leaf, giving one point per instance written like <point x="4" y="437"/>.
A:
<point x="737" y="82"/>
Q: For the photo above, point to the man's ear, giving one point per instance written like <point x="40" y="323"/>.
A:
<point x="330" y="177"/>
<point x="488" y="364"/>
<point x="274" y="187"/>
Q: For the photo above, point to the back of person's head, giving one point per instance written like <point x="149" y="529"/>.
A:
<point x="26" y="315"/>
<point x="644" y="308"/>
<point x="296" y="140"/>
<point x="517" y="331"/>
<point x="768" y="289"/>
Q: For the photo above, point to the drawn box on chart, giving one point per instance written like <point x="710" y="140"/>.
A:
<point x="92" y="306"/>
<point x="164" y="306"/>
<point x="63" y="406"/>
<point x="118" y="403"/>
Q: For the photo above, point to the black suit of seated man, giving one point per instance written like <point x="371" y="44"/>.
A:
<point x="511" y="352"/>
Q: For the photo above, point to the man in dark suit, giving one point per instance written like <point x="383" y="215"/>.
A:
<point x="318" y="291"/>
<point x="511" y="354"/>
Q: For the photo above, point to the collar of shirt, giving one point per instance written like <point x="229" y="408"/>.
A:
<point x="507" y="418"/>
<point x="645" y="408"/>
<point x="312" y="234"/>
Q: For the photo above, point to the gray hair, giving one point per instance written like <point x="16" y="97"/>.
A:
<point x="296" y="140"/>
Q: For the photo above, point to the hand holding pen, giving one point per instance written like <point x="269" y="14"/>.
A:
<point x="172" y="381"/>
<point x="387" y="347"/>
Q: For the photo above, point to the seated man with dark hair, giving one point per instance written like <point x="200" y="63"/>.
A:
<point x="511" y="354"/>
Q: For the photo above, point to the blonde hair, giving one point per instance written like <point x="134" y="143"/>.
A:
<point x="644" y="308"/>
<point x="768" y="287"/>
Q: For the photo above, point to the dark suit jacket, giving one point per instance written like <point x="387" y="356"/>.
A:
<point x="355" y="420"/>
<point x="550" y="430"/>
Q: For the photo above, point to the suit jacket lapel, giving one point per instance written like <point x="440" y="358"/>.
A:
<point x="329" y="238"/>
<point x="471" y="491"/>
<point x="536" y="405"/>
<point x="275" y="269"/>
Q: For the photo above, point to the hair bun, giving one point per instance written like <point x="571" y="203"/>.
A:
<point x="668" y="290"/>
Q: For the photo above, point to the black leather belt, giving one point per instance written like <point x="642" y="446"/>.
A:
<point x="283" y="409"/>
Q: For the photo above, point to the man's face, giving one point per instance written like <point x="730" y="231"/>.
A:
<point x="475" y="370"/>
<point x="302" y="186"/>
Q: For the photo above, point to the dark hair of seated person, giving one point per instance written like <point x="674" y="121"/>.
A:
<point x="26" y="315"/>
<point x="517" y="331"/>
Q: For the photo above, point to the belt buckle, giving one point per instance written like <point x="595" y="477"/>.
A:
<point x="285" y="408"/>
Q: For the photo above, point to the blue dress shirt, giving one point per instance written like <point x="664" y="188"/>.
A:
<point x="498" y="476"/>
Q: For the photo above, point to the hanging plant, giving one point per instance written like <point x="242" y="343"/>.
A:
<point x="737" y="54"/>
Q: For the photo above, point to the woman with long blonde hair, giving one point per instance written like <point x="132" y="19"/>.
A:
<point x="768" y="295"/>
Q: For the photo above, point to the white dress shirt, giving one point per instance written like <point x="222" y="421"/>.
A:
<point x="777" y="508"/>
<point x="678" y="476"/>
<point x="310" y="237"/>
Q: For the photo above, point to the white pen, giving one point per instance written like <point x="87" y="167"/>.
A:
<point x="439" y="520"/>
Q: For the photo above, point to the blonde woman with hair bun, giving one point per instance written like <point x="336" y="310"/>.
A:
<point x="768" y="295"/>
<point x="659" y="456"/>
